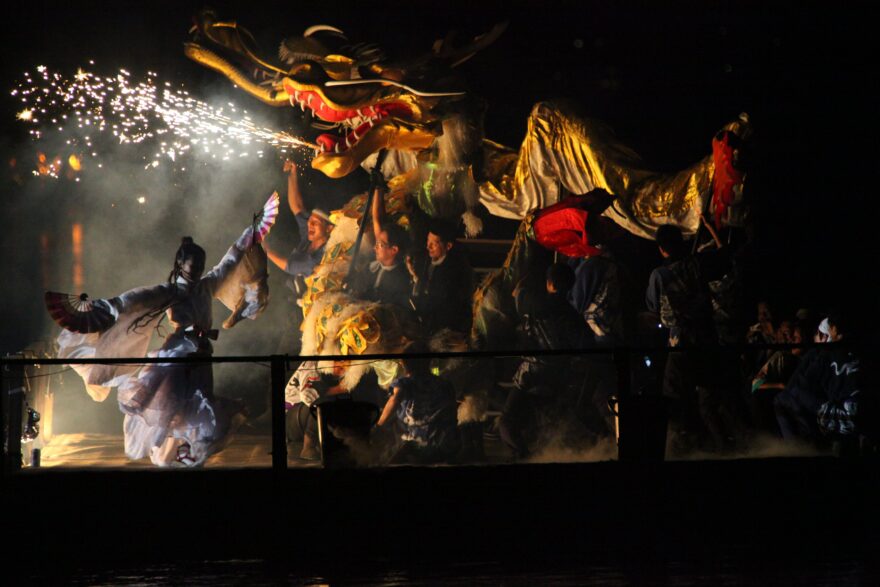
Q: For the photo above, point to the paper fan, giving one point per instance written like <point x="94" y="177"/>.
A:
<point x="264" y="221"/>
<point x="77" y="313"/>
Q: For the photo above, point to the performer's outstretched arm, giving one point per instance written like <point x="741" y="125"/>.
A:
<point x="278" y="260"/>
<point x="294" y="196"/>
<point x="252" y="235"/>
<point x="390" y="407"/>
<point x="378" y="209"/>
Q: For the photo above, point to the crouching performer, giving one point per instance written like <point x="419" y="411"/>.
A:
<point x="422" y="406"/>
<point x="171" y="413"/>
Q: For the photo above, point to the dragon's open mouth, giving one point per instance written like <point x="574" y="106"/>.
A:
<point x="371" y="101"/>
<point x="352" y="124"/>
<point x="365" y="120"/>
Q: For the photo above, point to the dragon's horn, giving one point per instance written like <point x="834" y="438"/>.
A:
<point x="458" y="55"/>
<point x="322" y="27"/>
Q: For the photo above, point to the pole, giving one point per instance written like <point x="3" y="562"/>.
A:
<point x="3" y="400"/>
<point x="380" y="158"/>
<point x="703" y="214"/>
<point x="279" y="428"/>
<point x="14" y="398"/>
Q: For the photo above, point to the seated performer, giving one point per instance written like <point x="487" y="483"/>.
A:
<point x="443" y="288"/>
<point x="314" y="231"/>
<point x="308" y="384"/>
<point x="386" y="279"/>
<point x="171" y="413"/>
<point x="312" y="385"/>
<point x="827" y="398"/>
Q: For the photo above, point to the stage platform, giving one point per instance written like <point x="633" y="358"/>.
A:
<point x="105" y="451"/>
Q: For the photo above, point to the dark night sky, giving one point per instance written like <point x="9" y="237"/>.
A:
<point x="665" y="75"/>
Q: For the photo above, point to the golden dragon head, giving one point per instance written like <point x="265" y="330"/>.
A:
<point x="367" y="101"/>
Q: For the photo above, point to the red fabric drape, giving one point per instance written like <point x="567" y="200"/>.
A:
<point x="562" y="227"/>
<point x="726" y="176"/>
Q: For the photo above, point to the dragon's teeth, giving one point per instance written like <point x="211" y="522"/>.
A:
<point x="355" y="135"/>
<point x="309" y="101"/>
<point x="336" y="148"/>
<point x="347" y="142"/>
<point x="370" y="120"/>
<point x="296" y="95"/>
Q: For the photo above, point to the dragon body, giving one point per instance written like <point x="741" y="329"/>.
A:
<point x="439" y="161"/>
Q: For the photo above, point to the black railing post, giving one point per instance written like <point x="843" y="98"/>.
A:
<point x="13" y="391"/>
<point x="279" y="427"/>
<point x="3" y="400"/>
<point x="621" y="363"/>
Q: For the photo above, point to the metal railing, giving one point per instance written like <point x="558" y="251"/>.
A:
<point x="12" y="376"/>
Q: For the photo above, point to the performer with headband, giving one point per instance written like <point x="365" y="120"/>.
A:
<point x="314" y="231"/>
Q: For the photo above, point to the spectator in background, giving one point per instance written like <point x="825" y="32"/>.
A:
<point x="762" y="332"/>
<point x="775" y="373"/>
<point x="797" y="405"/>
<point x="826" y="398"/>
<point x="773" y="376"/>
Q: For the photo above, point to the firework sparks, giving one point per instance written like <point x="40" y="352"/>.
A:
<point x="136" y="112"/>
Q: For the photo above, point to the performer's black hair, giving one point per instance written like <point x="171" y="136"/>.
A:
<point x="187" y="249"/>
<point x="561" y="276"/>
<point x="669" y="238"/>
<point x="444" y="229"/>
<point x="413" y="365"/>
<point x="839" y="318"/>
<point x="397" y="237"/>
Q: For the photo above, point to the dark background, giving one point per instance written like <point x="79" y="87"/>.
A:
<point x="665" y="75"/>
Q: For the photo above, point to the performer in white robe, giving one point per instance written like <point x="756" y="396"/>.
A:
<point x="171" y="413"/>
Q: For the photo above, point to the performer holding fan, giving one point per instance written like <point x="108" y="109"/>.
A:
<point x="171" y="413"/>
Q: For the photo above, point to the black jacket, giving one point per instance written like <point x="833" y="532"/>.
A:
<point x="394" y="287"/>
<point x="548" y="323"/>
<point x="443" y="294"/>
